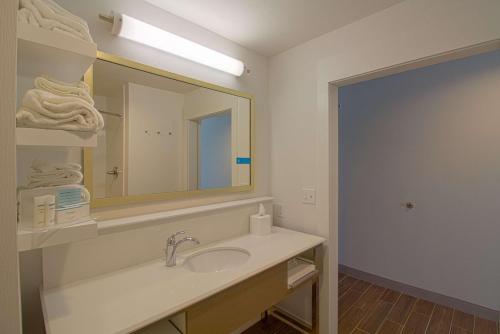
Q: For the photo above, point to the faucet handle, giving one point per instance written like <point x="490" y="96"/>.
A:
<point x="171" y="239"/>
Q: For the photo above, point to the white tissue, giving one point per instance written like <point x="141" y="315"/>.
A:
<point x="262" y="210"/>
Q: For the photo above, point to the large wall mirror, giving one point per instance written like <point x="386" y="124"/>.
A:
<point x="165" y="135"/>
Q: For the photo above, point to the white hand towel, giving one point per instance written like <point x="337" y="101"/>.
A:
<point x="51" y="16"/>
<point x="78" y="89"/>
<point x="41" y="109"/>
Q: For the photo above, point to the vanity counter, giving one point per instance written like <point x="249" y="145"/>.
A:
<point x="129" y="299"/>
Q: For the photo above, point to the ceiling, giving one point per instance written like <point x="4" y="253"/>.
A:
<point x="272" y="26"/>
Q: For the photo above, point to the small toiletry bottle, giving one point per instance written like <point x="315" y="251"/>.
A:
<point x="260" y="224"/>
<point x="44" y="211"/>
<point x="50" y="205"/>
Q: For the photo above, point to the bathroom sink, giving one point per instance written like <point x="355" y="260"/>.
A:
<point x="216" y="259"/>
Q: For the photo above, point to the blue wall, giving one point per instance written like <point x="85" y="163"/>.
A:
<point x="215" y="151"/>
<point x="430" y="136"/>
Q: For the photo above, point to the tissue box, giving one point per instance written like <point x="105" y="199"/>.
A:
<point x="260" y="225"/>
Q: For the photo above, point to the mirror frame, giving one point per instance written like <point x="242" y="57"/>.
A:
<point x="87" y="152"/>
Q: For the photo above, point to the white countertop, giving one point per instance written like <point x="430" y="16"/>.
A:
<point x="129" y="299"/>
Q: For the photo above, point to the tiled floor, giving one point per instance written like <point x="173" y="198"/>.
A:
<point x="271" y="326"/>
<point x="365" y="308"/>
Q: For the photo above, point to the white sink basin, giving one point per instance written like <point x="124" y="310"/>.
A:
<point x="216" y="259"/>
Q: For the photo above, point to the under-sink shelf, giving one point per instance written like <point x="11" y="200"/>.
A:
<point x="45" y="137"/>
<point x="55" y="235"/>
<point x="42" y="51"/>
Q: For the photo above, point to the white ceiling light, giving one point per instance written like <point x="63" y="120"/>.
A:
<point x="144" y="33"/>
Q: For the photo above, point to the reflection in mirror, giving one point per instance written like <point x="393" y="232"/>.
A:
<point x="163" y="135"/>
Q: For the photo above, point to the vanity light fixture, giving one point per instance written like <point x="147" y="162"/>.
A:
<point x="144" y="33"/>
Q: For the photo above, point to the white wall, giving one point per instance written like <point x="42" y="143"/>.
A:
<point x="202" y="102"/>
<point x="10" y="315"/>
<point x="154" y="140"/>
<point x="304" y="120"/>
<point x="430" y="136"/>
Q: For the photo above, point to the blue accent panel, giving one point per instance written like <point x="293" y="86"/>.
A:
<point x="243" y="161"/>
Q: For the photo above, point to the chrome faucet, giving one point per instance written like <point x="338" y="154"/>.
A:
<point x="170" y="251"/>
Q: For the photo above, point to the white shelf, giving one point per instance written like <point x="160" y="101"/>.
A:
<point x="122" y="224"/>
<point x="41" y="51"/>
<point x="44" y="137"/>
<point x="56" y="235"/>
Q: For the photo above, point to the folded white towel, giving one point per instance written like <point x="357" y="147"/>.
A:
<point x="55" y="178"/>
<point x="51" y="175"/>
<point x="42" y="166"/>
<point x="42" y="109"/>
<point x="49" y="15"/>
<point x="299" y="271"/>
<point x="78" y="89"/>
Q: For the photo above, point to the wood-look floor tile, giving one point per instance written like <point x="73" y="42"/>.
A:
<point x="351" y="319"/>
<point x="416" y="323"/>
<point x="389" y="327"/>
<point x="463" y="320"/>
<point x="424" y="307"/>
<point x="390" y="296"/>
<point x="358" y="331"/>
<point x="361" y="286"/>
<point x="402" y="309"/>
<point x="483" y="326"/>
<point x="363" y="306"/>
<point x="271" y="325"/>
<point x="369" y="298"/>
<point x="347" y="301"/>
<point x="458" y="330"/>
<point x="440" y="320"/>
<point x="366" y="308"/>
<point x="374" y="320"/>
<point x="346" y="284"/>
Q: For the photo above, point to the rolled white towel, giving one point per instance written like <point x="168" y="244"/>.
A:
<point x="77" y="89"/>
<point x="42" y="109"/>
<point x="26" y="16"/>
<point x="50" y="17"/>
<point x="60" y="10"/>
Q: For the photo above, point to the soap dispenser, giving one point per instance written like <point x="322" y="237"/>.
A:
<point x="260" y="223"/>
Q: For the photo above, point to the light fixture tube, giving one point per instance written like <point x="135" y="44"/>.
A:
<point x="144" y="33"/>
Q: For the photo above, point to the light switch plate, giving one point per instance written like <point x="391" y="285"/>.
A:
<point x="309" y="196"/>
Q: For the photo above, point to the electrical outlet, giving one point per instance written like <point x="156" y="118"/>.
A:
<point x="309" y="196"/>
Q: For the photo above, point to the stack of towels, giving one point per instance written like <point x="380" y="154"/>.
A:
<point x="47" y="14"/>
<point x="51" y="175"/>
<point x="54" y="104"/>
